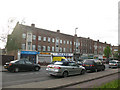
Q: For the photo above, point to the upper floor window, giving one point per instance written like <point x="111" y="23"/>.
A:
<point x="60" y="49"/>
<point x="33" y="47"/>
<point x="23" y="35"/>
<point x="48" y="48"/>
<point x="53" y="40"/>
<point x="64" y="41"/>
<point x="23" y="46"/>
<point x="70" y="42"/>
<point x="53" y="48"/>
<point x="61" y="41"/>
<point x="34" y="37"/>
<point x="48" y="39"/>
<point x="39" y="38"/>
<point x="64" y="50"/>
<point x="44" y="48"/>
<point x="44" y="38"/>
<point x="39" y="48"/>
<point x="67" y="42"/>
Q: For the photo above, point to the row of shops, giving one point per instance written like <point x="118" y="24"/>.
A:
<point x="36" y="57"/>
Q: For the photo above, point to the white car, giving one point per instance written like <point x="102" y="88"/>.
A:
<point x="65" y="69"/>
<point x="114" y="64"/>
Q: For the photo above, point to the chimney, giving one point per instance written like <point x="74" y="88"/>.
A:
<point x="58" y="31"/>
<point x="32" y="25"/>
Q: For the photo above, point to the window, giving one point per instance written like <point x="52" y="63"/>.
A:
<point x="29" y="46"/>
<point x="44" y="38"/>
<point x="64" y="41"/>
<point x="27" y="62"/>
<point x="23" y="35"/>
<point x="21" y="62"/>
<point x="39" y="48"/>
<point x="70" y="42"/>
<point x="64" y="50"/>
<point x="48" y="48"/>
<point x="44" y="48"/>
<point x="57" y="49"/>
<point x="60" y="49"/>
<point x="33" y="37"/>
<point x="48" y="39"/>
<point x="39" y="38"/>
<point x="23" y="46"/>
<point x="57" y="41"/>
<point x="67" y="42"/>
<point x="61" y="41"/>
<point x="70" y="49"/>
<point x="53" y="40"/>
<point x="53" y="48"/>
<point x="33" y="47"/>
<point x="74" y="43"/>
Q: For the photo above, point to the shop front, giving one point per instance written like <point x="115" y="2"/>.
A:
<point x="29" y="55"/>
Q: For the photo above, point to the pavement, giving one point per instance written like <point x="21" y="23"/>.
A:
<point x="63" y="82"/>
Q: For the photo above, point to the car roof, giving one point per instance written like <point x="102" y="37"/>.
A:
<point x="115" y="60"/>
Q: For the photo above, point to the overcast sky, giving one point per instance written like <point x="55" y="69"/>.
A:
<point x="97" y="19"/>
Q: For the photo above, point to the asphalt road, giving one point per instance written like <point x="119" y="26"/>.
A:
<point x="9" y="79"/>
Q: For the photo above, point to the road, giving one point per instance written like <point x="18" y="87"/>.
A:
<point x="9" y="79"/>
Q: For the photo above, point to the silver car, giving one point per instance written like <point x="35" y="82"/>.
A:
<point x="114" y="64"/>
<point x="64" y="69"/>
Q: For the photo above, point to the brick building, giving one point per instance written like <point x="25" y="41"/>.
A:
<point x="40" y="44"/>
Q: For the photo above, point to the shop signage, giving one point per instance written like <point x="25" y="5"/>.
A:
<point x="29" y="52"/>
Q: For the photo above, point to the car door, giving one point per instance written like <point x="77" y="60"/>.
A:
<point x="74" y="68"/>
<point x="20" y="64"/>
<point x="28" y="65"/>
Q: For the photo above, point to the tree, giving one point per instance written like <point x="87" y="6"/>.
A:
<point x="107" y="52"/>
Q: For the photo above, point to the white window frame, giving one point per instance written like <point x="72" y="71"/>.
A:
<point x="48" y="39"/>
<point x="23" y="35"/>
<point x="39" y="38"/>
<point x="34" y="37"/>
<point x="48" y="48"/>
<point x="44" y="38"/>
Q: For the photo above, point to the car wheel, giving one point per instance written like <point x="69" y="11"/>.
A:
<point x="82" y="71"/>
<point x="65" y="74"/>
<point x="16" y="70"/>
<point x="37" y="68"/>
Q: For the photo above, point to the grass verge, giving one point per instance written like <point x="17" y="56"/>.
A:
<point x="112" y="84"/>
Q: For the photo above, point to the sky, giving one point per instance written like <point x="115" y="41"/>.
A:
<point x="97" y="19"/>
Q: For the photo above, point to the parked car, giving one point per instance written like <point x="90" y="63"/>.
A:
<point x="114" y="64"/>
<point x="65" y="69"/>
<point x="21" y="65"/>
<point x="93" y="65"/>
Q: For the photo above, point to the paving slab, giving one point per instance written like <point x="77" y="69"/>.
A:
<point x="63" y="82"/>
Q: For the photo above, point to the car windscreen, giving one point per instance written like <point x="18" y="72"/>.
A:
<point x="89" y="62"/>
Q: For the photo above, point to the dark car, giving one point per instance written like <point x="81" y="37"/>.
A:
<point x="21" y="65"/>
<point x="93" y="65"/>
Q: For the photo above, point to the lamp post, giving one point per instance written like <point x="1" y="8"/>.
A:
<point x="75" y="42"/>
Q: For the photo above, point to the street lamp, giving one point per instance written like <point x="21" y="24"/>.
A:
<point x="75" y="43"/>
